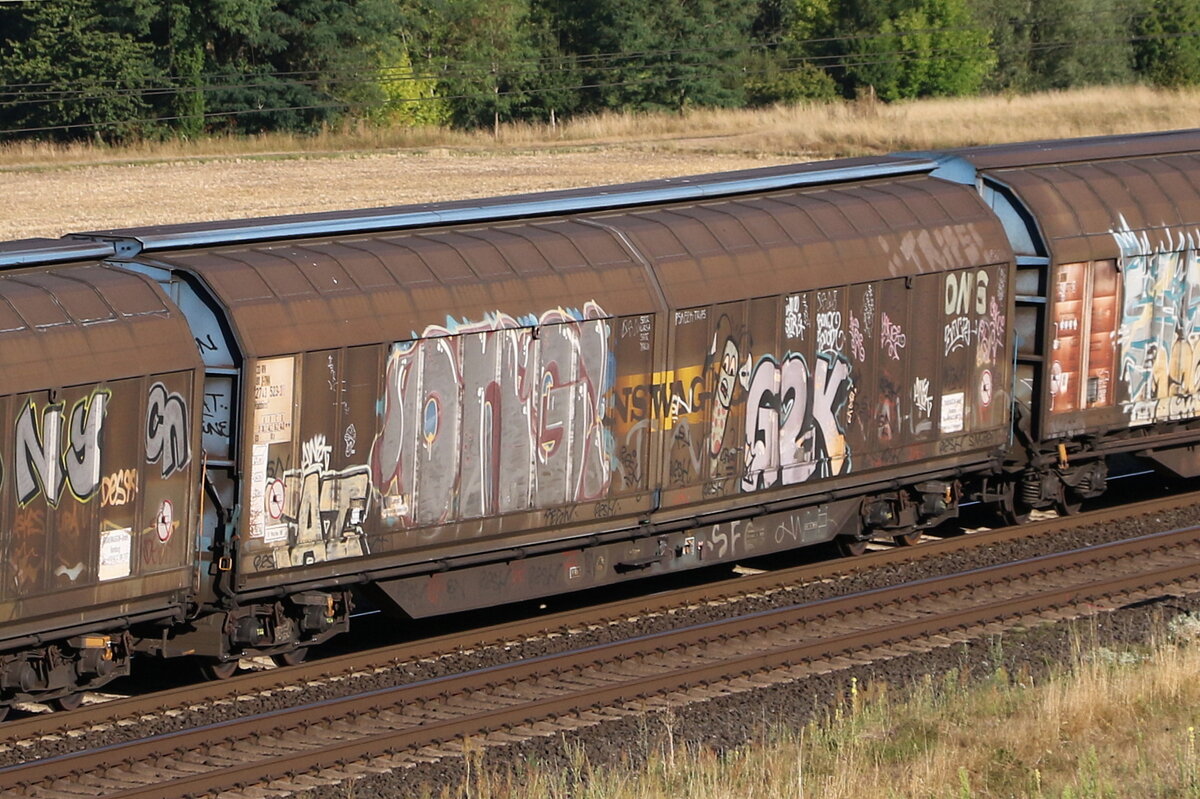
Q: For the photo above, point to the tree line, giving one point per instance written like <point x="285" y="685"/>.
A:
<point x="145" y="69"/>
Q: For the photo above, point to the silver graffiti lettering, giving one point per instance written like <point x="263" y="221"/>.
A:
<point x="502" y="415"/>
<point x="167" y="438"/>
<point x="37" y="465"/>
<point x="793" y="430"/>
<point x="44" y="465"/>
<point x="83" y="444"/>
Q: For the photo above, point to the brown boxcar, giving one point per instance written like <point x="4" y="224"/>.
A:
<point x="468" y="404"/>
<point x="1106" y="232"/>
<point x="99" y="473"/>
<point x="460" y="404"/>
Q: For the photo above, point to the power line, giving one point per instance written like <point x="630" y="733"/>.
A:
<point x="453" y="67"/>
<point x="840" y="61"/>
<point x="464" y="69"/>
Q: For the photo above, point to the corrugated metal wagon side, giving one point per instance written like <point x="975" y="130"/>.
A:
<point x="1106" y="231"/>
<point x="461" y="405"/>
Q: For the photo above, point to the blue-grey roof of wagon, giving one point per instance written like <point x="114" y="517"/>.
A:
<point x="42" y="252"/>
<point x="555" y="203"/>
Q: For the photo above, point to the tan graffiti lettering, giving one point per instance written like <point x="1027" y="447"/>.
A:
<point x="118" y="488"/>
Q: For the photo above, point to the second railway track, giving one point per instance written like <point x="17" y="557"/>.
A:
<point x="386" y="729"/>
<point x="167" y="710"/>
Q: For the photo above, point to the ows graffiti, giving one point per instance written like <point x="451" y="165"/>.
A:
<point x="500" y="415"/>
<point x="1158" y="344"/>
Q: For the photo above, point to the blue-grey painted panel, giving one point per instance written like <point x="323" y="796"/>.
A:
<point x="1018" y="223"/>
<point x="39" y="252"/>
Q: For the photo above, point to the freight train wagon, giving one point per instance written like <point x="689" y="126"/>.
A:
<point x="1106" y="234"/>
<point x="459" y="405"/>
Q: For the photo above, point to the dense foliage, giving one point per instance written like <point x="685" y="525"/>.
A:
<point x="159" y="68"/>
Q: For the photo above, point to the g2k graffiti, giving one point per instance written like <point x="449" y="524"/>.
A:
<point x="793" y="429"/>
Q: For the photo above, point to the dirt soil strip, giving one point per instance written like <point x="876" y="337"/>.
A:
<point x="713" y="659"/>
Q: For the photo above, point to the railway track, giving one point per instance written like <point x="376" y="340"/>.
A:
<point x="279" y="686"/>
<point x="389" y="729"/>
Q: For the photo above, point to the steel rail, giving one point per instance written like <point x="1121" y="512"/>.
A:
<point x="265" y="769"/>
<point x="590" y="617"/>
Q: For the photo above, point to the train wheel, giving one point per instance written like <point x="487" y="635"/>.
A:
<point x="68" y="702"/>
<point x="214" y="669"/>
<point x="1010" y="509"/>
<point x="293" y="658"/>
<point x="911" y="538"/>
<point x="852" y="547"/>
<point x="1068" y="503"/>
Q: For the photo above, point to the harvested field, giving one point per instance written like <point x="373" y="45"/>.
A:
<point x="48" y="191"/>
<point x="54" y="202"/>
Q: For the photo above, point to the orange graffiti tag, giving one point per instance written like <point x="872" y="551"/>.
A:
<point x="118" y="488"/>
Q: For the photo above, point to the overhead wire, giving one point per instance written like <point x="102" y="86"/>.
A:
<point x="389" y="76"/>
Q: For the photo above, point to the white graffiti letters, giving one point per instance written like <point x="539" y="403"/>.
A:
<point x="792" y="428"/>
<point x="829" y="331"/>
<point x="43" y="465"/>
<point x="795" y="316"/>
<point x="37" y="464"/>
<point x="922" y="400"/>
<point x="959" y="289"/>
<point x="957" y="334"/>
<point x="891" y="339"/>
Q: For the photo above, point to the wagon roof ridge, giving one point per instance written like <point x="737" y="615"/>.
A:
<point x="129" y="243"/>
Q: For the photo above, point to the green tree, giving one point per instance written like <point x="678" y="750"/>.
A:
<point x="293" y="65"/>
<point x="402" y="95"/>
<point x="786" y="67"/>
<point x="778" y="77"/>
<point x="1010" y="28"/>
<point x="1080" y="43"/>
<point x="489" y="70"/>
<point x="69" y="74"/>
<point x="238" y="65"/>
<point x="899" y="48"/>
<point x="1167" y="49"/>
<point x="930" y="48"/>
<point x="655" y="54"/>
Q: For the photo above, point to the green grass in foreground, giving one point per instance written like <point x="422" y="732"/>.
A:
<point x="1110" y="724"/>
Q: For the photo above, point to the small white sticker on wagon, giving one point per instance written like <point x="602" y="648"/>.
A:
<point x="258" y="479"/>
<point x="276" y="533"/>
<point x="952" y="412"/>
<point x="114" y="553"/>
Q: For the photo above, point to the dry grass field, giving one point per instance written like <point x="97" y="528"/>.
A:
<point x="1114" y="724"/>
<point x="48" y="191"/>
